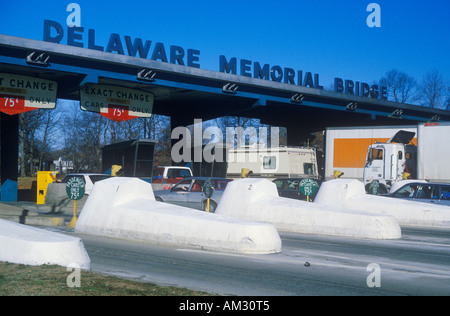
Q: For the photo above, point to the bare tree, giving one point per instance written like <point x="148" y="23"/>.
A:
<point x="31" y="142"/>
<point x="448" y="98"/>
<point x="47" y="134"/>
<point x="401" y="87"/>
<point x="433" y="90"/>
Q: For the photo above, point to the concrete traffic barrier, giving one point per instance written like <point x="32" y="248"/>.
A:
<point x="258" y="200"/>
<point x="33" y="246"/>
<point x="350" y="193"/>
<point x="126" y="208"/>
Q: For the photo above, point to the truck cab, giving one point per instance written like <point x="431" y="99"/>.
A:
<point x="389" y="162"/>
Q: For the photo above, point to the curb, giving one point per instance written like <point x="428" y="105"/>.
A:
<point x="39" y="220"/>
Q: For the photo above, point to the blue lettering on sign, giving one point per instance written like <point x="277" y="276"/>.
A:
<point x="54" y="33"/>
<point x="275" y="73"/>
<point x="361" y="89"/>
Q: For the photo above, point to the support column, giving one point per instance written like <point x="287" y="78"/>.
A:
<point x="9" y="155"/>
<point x="176" y="121"/>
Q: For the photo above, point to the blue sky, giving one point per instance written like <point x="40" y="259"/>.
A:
<point x="327" y="37"/>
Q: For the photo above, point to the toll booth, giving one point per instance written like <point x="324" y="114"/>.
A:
<point x="43" y="179"/>
<point x="133" y="158"/>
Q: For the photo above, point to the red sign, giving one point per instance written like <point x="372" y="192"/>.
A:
<point x="118" y="113"/>
<point x="13" y="104"/>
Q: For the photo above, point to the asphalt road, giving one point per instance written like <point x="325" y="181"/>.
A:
<point x="417" y="264"/>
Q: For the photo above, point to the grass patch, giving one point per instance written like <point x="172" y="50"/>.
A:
<point x="51" y="280"/>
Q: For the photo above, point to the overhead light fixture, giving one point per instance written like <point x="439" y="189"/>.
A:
<point x="230" y="88"/>
<point x="435" y="118"/>
<point x="146" y="75"/>
<point x="297" y="98"/>
<point x="397" y="114"/>
<point x="38" y="59"/>
<point x="351" y="106"/>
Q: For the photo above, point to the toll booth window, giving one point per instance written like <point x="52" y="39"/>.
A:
<point x="269" y="162"/>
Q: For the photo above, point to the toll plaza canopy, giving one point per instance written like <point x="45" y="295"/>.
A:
<point x="183" y="93"/>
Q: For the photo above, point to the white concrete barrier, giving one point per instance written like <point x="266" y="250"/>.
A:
<point x="258" y="200"/>
<point x="350" y="194"/>
<point x="33" y="246"/>
<point x="126" y="208"/>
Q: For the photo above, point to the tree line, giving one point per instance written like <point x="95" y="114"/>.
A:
<point x="78" y="136"/>
<point x="432" y="91"/>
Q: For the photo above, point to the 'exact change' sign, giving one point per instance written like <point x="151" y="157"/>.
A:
<point x="20" y="94"/>
<point x="116" y="103"/>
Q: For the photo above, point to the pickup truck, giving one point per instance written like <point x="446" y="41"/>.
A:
<point x="165" y="177"/>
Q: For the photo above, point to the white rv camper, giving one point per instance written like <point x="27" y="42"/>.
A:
<point x="271" y="163"/>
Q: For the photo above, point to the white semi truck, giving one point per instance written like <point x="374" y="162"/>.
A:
<point x="346" y="147"/>
<point x="397" y="159"/>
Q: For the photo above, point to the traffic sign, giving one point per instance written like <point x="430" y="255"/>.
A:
<point x="116" y="103"/>
<point x="20" y="94"/>
<point x="75" y="188"/>
<point x="75" y="191"/>
<point x="308" y="186"/>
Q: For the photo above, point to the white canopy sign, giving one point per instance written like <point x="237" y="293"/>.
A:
<point x="116" y="103"/>
<point x="23" y="93"/>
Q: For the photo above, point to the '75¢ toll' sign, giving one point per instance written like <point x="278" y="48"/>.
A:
<point x="75" y="188"/>
<point x="308" y="186"/>
<point x="20" y="94"/>
<point x="116" y="103"/>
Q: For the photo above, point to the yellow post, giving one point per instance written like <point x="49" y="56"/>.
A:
<point x="307" y="198"/>
<point x="207" y="205"/>
<point x="74" y="218"/>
